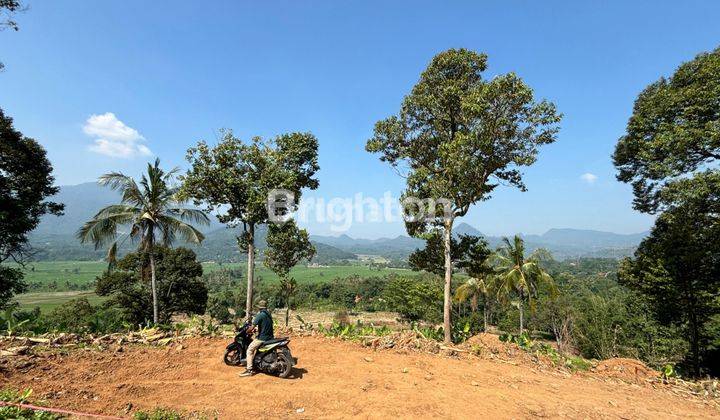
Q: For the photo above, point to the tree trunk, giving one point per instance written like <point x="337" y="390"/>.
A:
<point x="474" y="303"/>
<point x="153" y="284"/>
<point x="447" y="304"/>
<point x="520" y="306"/>
<point x="485" y="316"/>
<point x="287" y="315"/>
<point x="250" y="269"/>
<point x="694" y="342"/>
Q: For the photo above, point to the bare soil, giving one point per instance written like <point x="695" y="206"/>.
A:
<point x="338" y="379"/>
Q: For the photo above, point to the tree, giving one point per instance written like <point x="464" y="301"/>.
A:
<point x="26" y="182"/>
<point x="674" y="130"/>
<point x="677" y="268"/>
<point x="235" y="180"/>
<point x="457" y="136"/>
<point x="153" y="207"/>
<point x="669" y="154"/>
<point x="180" y="288"/>
<point x="520" y="275"/>
<point x="287" y="246"/>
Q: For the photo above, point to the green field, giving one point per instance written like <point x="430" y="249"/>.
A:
<point x="49" y="280"/>
<point x="47" y="301"/>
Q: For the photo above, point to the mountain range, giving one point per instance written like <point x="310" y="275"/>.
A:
<point x="54" y="238"/>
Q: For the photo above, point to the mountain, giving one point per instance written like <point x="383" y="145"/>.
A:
<point x="54" y="238"/>
<point x="398" y="247"/>
<point x="562" y="243"/>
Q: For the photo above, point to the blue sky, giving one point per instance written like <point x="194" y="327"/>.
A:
<point x="174" y="73"/>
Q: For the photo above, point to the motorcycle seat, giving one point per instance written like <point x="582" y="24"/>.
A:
<point x="275" y="340"/>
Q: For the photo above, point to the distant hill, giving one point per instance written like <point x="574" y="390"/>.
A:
<point x="54" y="238"/>
<point x="562" y="243"/>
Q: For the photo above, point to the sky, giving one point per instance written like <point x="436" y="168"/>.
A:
<point x="108" y="86"/>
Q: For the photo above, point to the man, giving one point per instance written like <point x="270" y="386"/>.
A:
<point x="264" y="323"/>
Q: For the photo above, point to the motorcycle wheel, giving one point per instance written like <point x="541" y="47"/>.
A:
<point x="285" y="365"/>
<point x="232" y="357"/>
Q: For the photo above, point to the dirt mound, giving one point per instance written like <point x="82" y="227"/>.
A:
<point x="335" y="379"/>
<point x="491" y="343"/>
<point x="629" y="370"/>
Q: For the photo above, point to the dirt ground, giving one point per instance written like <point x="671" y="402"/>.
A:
<point x="337" y="379"/>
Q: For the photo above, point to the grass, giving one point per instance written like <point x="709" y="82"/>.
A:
<point x="50" y="281"/>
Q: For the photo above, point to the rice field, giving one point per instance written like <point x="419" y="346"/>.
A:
<point x="55" y="282"/>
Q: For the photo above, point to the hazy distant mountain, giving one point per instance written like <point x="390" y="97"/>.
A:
<point x="398" y="247"/>
<point x="54" y="238"/>
<point x="563" y="243"/>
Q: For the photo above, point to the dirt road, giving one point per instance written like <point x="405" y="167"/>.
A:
<point x="336" y="379"/>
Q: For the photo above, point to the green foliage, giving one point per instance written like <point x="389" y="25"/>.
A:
<point x="355" y="331"/>
<point x="79" y="316"/>
<point x="457" y="135"/>
<point x="676" y="269"/>
<point x="538" y="348"/>
<point x="179" y="285"/>
<point x="287" y="246"/>
<point x="415" y="298"/>
<point x="26" y="182"/>
<point x="467" y="252"/>
<point x="673" y="131"/>
<point x="520" y="275"/>
<point x="16" y="413"/>
<point x="158" y="414"/>
<point x="234" y="179"/>
<point x="10" y="322"/>
<point x="153" y="207"/>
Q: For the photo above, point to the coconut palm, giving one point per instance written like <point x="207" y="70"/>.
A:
<point x="150" y="209"/>
<point x="472" y="289"/>
<point x="520" y="275"/>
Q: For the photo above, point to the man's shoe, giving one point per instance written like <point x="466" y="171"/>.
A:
<point x="247" y="372"/>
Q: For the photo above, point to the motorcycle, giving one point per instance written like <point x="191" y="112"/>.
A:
<point x="272" y="357"/>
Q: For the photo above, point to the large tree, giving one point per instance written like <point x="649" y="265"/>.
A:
<point x="674" y="130"/>
<point x="670" y="154"/>
<point x="457" y="137"/>
<point x="26" y="182"/>
<point x="234" y="180"/>
<point x="287" y="245"/>
<point x="151" y="208"/>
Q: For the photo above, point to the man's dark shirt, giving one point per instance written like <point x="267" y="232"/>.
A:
<point x="264" y="322"/>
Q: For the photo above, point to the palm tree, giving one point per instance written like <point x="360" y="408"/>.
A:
<point x="472" y="289"/>
<point x="150" y="209"/>
<point x="520" y="275"/>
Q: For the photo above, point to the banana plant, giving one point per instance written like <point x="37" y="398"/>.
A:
<point x="12" y="325"/>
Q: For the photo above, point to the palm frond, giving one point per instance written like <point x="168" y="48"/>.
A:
<point x="173" y="227"/>
<point x="190" y="215"/>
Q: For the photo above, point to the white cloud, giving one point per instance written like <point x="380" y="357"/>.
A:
<point x="114" y="138"/>
<point x="589" y="178"/>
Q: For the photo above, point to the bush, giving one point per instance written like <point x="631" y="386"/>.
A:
<point x="414" y="298"/>
<point x="79" y="316"/>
